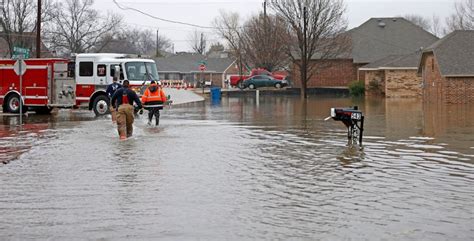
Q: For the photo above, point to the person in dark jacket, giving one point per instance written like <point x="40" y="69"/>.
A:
<point x="123" y="100"/>
<point x="110" y="92"/>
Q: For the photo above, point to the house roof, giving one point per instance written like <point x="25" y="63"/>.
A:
<point x="380" y="37"/>
<point x="187" y="63"/>
<point x="407" y="61"/>
<point x="454" y="53"/>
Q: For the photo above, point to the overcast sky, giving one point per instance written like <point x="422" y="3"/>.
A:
<point x="202" y="12"/>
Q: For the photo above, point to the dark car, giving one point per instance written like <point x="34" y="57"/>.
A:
<point x="263" y="81"/>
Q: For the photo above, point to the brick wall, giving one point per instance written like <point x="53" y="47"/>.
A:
<point x="447" y="90"/>
<point x="330" y="73"/>
<point x="374" y="82"/>
<point x="402" y="83"/>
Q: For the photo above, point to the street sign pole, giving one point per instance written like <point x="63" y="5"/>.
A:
<point x="21" y="90"/>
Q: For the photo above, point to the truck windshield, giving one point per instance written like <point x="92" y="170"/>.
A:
<point x="139" y="70"/>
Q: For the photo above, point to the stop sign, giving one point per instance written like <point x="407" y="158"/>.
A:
<point x="202" y="67"/>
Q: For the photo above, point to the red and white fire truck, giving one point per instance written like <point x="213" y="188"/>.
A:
<point x="79" y="82"/>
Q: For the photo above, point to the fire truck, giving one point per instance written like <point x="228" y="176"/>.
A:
<point x="71" y="83"/>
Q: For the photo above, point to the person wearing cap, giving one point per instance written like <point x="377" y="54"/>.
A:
<point x="110" y="92"/>
<point x="153" y="100"/>
<point x="122" y="101"/>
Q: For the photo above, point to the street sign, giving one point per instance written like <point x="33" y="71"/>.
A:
<point x="202" y="67"/>
<point x="19" y="67"/>
<point x="20" y="53"/>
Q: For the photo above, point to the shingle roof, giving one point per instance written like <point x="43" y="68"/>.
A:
<point x="455" y="53"/>
<point x="396" y="61"/>
<point x="187" y="63"/>
<point x="380" y="37"/>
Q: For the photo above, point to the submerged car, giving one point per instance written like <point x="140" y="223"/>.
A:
<point x="263" y="81"/>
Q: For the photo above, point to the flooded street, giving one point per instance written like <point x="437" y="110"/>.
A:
<point x="241" y="169"/>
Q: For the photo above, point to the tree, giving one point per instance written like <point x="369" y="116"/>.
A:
<point x="79" y="28"/>
<point x="163" y="45"/>
<point x="227" y="25"/>
<point x="198" y="42"/>
<point x="316" y="28"/>
<point x="463" y="18"/>
<point x="264" y="40"/>
<point x="18" y="21"/>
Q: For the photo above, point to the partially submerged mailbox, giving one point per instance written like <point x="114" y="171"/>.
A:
<point x="353" y="119"/>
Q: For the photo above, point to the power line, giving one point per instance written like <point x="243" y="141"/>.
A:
<point x="161" y="19"/>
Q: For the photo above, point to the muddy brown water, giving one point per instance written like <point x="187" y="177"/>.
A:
<point x="241" y="169"/>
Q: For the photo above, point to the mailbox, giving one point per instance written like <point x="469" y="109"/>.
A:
<point x="353" y="119"/>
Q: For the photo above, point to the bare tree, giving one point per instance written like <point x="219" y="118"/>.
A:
<point x="227" y="25"/>
<point x="198" y="42"/>
<point x="463" y="18"/>
<point x="163" y="45"/>
<point x="316" y="28"/>
<point x="436" y="27"/>
<point x="264" y="40"/>
<point x="79" y="28"/>
<point x="18" y="22"/>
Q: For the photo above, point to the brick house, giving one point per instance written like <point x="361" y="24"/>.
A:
<point x="394" y="76"/>
<point x="185" y="66"/>
<point x="374" y="40"/>
<point x="447" y="69"/>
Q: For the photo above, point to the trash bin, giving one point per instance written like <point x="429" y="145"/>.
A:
<point x="215" y="93"/>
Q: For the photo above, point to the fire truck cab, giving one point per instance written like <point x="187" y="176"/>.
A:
<point x="93" y="72"/>
<point x="80" y="82"/>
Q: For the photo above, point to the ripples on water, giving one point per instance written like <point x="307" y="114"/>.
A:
<point x="237" y="171"/>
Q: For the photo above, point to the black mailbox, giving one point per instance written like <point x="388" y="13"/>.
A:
<point x="353" y="119"/>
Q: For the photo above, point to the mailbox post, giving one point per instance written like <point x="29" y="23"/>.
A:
<point x="353" y="119"/>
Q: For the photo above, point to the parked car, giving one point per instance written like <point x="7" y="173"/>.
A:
<point x="263" y="81"/>
<point x="238" y="80"/>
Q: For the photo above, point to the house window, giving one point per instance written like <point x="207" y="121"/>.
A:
<point x="432" y="65"/>
<point x="101" y="70"/>
<point x="86" y="69"/>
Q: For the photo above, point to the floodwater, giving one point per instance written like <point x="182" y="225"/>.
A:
<point x="241" y="169"/>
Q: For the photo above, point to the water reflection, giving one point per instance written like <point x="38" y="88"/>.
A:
<point x="238" y="170"/>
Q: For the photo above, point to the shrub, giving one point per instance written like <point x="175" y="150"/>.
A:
<point x="356" y="88"/>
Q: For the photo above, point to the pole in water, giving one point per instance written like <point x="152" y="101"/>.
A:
<point x="21" y="91"/>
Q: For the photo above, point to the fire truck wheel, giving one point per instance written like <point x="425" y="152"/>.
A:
<point x="101" y="105"/>
<point x="13" y="104"/>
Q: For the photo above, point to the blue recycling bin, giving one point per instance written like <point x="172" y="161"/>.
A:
<point x="215" y="93"/>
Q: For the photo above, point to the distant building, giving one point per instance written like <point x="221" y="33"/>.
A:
<point x="447" y="69"/>
<point x="394" y="76"/>
<point x="186" y="67"/>
<point x="374" y="40"/>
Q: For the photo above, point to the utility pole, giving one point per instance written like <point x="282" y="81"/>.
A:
<point x="265" y="30"/>
<point x="304" y="59"/>
<point x="38" y="31"/>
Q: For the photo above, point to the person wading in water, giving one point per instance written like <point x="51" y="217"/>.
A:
<point x="153" y="100"/>
<point x="122" y="101"/>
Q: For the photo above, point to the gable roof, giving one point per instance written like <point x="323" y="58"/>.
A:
<point x="380" y="37"/>
<point x="189" y="63"/>
<point x="454" y="54"/>
<point x="408" y="61"/>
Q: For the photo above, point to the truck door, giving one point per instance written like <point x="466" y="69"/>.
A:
<point x="100" y="75"/>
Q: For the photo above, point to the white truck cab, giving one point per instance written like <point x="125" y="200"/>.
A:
<point x="94" y="72"/>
